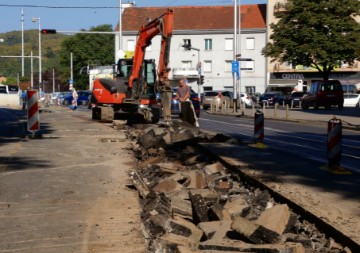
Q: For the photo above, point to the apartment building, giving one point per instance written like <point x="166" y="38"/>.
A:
<point x="210" y="30"/>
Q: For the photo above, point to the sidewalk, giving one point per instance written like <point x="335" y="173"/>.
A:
<point x="66" y="191"/>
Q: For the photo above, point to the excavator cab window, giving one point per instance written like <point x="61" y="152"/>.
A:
<point x="150" y="73"/>
<point x="124" y="68"/>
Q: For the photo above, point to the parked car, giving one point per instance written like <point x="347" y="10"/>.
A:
<point x="295" y="99"/>
<point x="62" y="96"/>
<point x="351" y="100"/>
<point x="175" y="104"/>
<point x="83" y="98"/>
<point x="223" y="96"/>
<point x="271" y="98"/>
<point x="255" y="96"/>
<point x="324" y="93"/>
<point x="349" y="88"/>
<point x="216" y="98"/>
<point x="55" y="97"/>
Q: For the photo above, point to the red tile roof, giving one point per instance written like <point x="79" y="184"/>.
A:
<point x="197" y="17"/>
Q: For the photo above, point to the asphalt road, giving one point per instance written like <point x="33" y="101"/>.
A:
<point x="306" y="139"/>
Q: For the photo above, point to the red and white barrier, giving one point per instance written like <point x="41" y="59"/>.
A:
<point x="334" y="148"/>
<point x="258" y="130"/>
<point x="33" y="120"/>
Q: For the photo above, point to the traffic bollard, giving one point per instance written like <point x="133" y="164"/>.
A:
<point x="258" y="130"/>
<point x="334" y="148"/>
<point x="334" y="142"/>
<point x="259" y="127"/>
<point x="33" y="121"/>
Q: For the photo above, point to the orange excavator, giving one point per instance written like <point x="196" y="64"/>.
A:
<point x="132" y="93"/>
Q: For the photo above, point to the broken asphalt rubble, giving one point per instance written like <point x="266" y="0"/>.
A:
<point x="191" y="203"/>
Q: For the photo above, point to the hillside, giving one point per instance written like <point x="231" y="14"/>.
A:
<point x="11" y="46"/>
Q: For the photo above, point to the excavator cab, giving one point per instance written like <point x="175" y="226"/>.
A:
<point x="124" y="67"/>
<point x="144" y="86"/>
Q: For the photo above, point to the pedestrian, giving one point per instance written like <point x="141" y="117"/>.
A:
<point x="74" y="101"/>
<point x="186" y="106"/>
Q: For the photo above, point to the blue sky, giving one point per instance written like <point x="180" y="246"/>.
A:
<point x="73" y="15"/>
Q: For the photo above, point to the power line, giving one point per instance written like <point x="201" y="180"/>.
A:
<point x="99" y="7"/>
<point x="58" y="7"/>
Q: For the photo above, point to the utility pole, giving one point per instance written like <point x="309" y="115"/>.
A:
<point x="40" y="74"/>
<point x="71" y="81"/>
<point x="120" y="26"/>
<point x="53" y="80"/>
<point x="32" y="71"/>
<point x="235" y="65"/>
<point x="22" y="43"/>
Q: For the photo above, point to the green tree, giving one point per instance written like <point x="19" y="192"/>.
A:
<point x="321" y="34"/>
<point x="86" y="48"/>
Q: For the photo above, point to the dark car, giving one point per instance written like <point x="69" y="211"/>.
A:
<point x="83" y="98"/>
<point x="324" y="93"/>
<point x="175" y="104"/>
<point x="271" y="98"/>
<point x="295" y="99"/>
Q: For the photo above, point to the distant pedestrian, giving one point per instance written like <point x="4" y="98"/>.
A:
<point x="186" y="106"/>
<point x="74" y="101"/>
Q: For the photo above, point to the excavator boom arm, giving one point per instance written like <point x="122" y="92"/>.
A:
<point x="162" y="25"/>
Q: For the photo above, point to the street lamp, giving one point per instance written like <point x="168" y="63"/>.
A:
<point x="40" y="75"/>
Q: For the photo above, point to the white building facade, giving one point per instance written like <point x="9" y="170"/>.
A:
<point x="213" y="47"/>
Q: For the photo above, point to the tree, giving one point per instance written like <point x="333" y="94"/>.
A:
<point x="86" y="48"/>
<point x="321" y="34"/>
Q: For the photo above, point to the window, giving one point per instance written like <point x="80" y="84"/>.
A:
<point x="187" y="42"/>
<point x="207" y="66"/>
<point x="250" y="89"/>
<point x="148" y="48"/>
<point x="228" y="44"/>
<point x="250" y="66"/>
<point x="250" y="43"/>
<point x="228" y="66"/>
<point x="131" y="45"/>
<point x="186" y="64"/>
<point x="208" y="44"/>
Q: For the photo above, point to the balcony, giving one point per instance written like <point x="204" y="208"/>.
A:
<point x="280" y="7"/>
<point x="185" y="72"/>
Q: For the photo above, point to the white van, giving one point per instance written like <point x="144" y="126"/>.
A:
<point x="10" y="95"/>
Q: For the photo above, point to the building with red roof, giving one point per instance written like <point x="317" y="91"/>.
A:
<point x="210" y="30"/>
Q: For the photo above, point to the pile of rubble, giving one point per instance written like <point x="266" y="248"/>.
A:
<point x="191" y="203"/>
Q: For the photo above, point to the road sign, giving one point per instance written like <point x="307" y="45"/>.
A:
<point x="235" y="68"/>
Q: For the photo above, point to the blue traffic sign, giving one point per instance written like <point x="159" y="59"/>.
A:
<point x="235" y="68"/>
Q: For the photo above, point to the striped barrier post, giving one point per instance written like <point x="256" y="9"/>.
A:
<point x="334" y="147"/>
<point x="259" y="127"/>
<point x="33" y="123"/>
<point x="258" y="130"/>
<point x="334" y="142"/>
